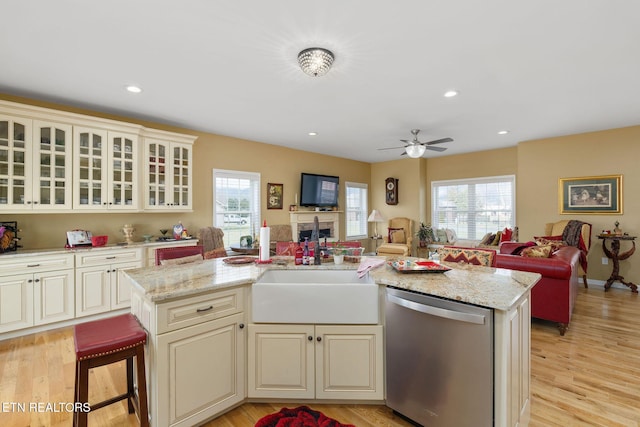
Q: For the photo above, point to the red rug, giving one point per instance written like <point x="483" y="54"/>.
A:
<point x="302" y="416"/>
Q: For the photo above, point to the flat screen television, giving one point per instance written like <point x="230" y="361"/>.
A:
<point x="318" y="190"/>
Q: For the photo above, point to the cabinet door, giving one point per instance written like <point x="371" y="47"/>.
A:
<point x="203" y="371"/>
<point x="349" y="362"/>
<point x="52" y="166"/>
<point x="281" y="361"/>
<point x="90" y="161"/>
<point x="181" y="175"/>
<point x="15" y="163"/>
<point x="53" y="296"/>
<point x="16" y="302"/>
<point x="122" y="172"/>
<point x="93" y="290"/>
<point x="121" y="288"/>
<point x="156" y="170"/>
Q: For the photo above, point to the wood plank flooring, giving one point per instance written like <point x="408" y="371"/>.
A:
<point x="589" y="377"/>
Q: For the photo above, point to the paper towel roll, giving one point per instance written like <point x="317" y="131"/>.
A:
<point x="265" y="239"/>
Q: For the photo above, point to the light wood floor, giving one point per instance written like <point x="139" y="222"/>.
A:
<point x="589" y="377"/>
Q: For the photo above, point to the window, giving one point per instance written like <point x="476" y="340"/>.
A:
<point x="236" y="206"/>
<point x="474" y="207"/>
<point x="357" y="196"/>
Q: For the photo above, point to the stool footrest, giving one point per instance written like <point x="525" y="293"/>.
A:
<point x="109" y="401"/>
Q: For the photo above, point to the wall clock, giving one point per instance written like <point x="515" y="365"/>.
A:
<point x="391" y="191"/>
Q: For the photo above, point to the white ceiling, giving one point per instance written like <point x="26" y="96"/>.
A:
<point x="538" y="68"/>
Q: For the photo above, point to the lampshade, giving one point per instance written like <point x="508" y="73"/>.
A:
<point x="375" y="216"/>
<point x="315" y="61"/>
<point x="415" y="150"/>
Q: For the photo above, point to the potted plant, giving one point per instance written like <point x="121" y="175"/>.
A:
<point x="425" y="234"/>
<point x="338" y="253"/>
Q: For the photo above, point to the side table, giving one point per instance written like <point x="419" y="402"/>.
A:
<point x="615" y="255"/>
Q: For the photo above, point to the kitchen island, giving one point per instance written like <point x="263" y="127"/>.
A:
<point x="196" y="316"/>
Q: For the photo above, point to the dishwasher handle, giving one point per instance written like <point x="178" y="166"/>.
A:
<point x="437" y="311"/>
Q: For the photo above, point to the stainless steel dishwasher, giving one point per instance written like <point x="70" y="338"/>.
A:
<point x="439" y="356"/>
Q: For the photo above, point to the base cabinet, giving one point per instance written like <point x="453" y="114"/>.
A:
<point x="202" y="370"/>
<point x="315" y="361"/>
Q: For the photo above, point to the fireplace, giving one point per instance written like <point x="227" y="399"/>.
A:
<point x="328" y="224"/>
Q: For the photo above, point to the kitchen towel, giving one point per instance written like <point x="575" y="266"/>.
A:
<point x="367" y="264"/>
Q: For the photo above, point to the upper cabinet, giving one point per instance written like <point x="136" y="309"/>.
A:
<point x="105" y="170"/>
<point x="35" y="165"/>
<point x="168" y="171"/>
<point x="54" y="161"/>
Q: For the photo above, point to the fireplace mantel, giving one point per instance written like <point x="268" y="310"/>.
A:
<point x="300" y="220"/>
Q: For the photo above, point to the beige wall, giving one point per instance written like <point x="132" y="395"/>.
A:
<point x="275" y="164"/>
<point x="541" y="163"/>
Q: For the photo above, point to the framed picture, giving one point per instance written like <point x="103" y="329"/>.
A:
<point x="274" y="196"/>
<point x="590" y="195"/>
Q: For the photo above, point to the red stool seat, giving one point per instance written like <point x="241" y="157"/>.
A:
<point x="107" y="336"/>
<point x="106" y="341"/>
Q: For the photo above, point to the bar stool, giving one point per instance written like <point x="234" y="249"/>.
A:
<point x="106" y="341"/>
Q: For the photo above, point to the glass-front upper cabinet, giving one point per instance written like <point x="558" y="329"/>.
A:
<point x="168" y="175"/>
<point x="15" y="162"/>
<point x="105" y="166"/>
<point x="52" y="166"/>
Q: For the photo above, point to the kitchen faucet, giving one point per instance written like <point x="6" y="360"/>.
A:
<point x="315" y="238"/>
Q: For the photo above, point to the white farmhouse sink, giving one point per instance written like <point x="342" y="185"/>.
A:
<point x="314" y="296"/>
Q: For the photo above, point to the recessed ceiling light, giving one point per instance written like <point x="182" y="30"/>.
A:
<point x="313" y="133"/>
<point x="134" y="89"/>
<point x="450" y="93"/>
<point x="503" y="132"/>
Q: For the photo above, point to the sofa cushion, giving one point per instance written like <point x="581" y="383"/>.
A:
<point x="474" y="256"/>
<point x="555" y="242"/>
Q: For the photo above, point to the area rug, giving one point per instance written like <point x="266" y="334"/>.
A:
<point x="302" y="416"/>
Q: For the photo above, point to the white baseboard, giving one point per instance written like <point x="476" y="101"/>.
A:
<point x="600" y="283"/>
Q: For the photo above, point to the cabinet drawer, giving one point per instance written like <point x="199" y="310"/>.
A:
<point x="179" y="314"/>
<point x="16" y="264"/>
<point x="108" y="257"/>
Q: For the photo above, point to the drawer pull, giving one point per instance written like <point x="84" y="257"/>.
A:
<point x="111" y="257"/>
<point x="33" y="265"/>
<point x="202" y="310"/>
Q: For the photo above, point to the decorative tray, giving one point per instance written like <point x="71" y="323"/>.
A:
<point x="407" y="266"/>
<point x="237" y="260"/>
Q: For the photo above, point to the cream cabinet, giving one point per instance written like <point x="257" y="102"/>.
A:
<point x="35" y="291"/>
<point x="513" y="365"/>
<point x="315" y="361"/>
<point x="35" y="165"/>
<point x="196" y="358"/>
<point x="105" y="170"/>
<point x="99" y="286"/>
<point x="168" y="172"/>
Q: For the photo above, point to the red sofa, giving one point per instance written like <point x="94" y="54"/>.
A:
<point x="553" y="297"/>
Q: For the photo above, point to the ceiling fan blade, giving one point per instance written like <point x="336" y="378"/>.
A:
<point x="406" y="141"/>
<point x="438" y="141"/>
<point x="389" y="148"/>
<point x="428" y="147"/>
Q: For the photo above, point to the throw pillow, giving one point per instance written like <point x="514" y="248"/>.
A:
<point x="441" y="235"/>
<point x="555" y="242"/>
<point x="398" y="236"/>
<point x="183" y="260"/>
<point x="496" y="240"/>
<point x="451" y="235"/>
<point x="506" y="235"/>
<point x="390" y="233"/>
<point x="537" y="251"/>
<point x="487" y="239"/>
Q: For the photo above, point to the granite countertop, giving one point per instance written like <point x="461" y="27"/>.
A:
<point x="485" y="286"/>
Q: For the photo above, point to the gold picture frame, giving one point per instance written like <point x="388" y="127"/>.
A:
<point x="274" y="196"/>
<point x="590" y="195"/>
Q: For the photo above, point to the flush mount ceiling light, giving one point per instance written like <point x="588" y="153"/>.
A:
<point x="503" y="132"/>
<point x="315" y="61"/>
<point x="134" y="89"/>
<point x="450" y="93"/>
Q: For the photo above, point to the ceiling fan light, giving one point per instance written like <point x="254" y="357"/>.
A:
<point x="415" y="150"/>
<point x="315" y="61"/>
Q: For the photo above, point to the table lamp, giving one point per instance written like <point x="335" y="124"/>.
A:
<point x="376" y="217"/>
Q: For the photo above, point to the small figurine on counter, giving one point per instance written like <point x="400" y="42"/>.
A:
<point x="617" y="231"/>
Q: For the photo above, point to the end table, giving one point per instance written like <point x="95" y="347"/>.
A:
<point x="615" y="255"/>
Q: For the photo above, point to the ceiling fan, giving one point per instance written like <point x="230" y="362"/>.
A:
<point x="414" y="148"/>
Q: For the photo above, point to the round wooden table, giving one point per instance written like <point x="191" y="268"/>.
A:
<point x="615" y="255"/>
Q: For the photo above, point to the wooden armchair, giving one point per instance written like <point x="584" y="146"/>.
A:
<point x="581" y="239"/>
<point x="399" y="239"/>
